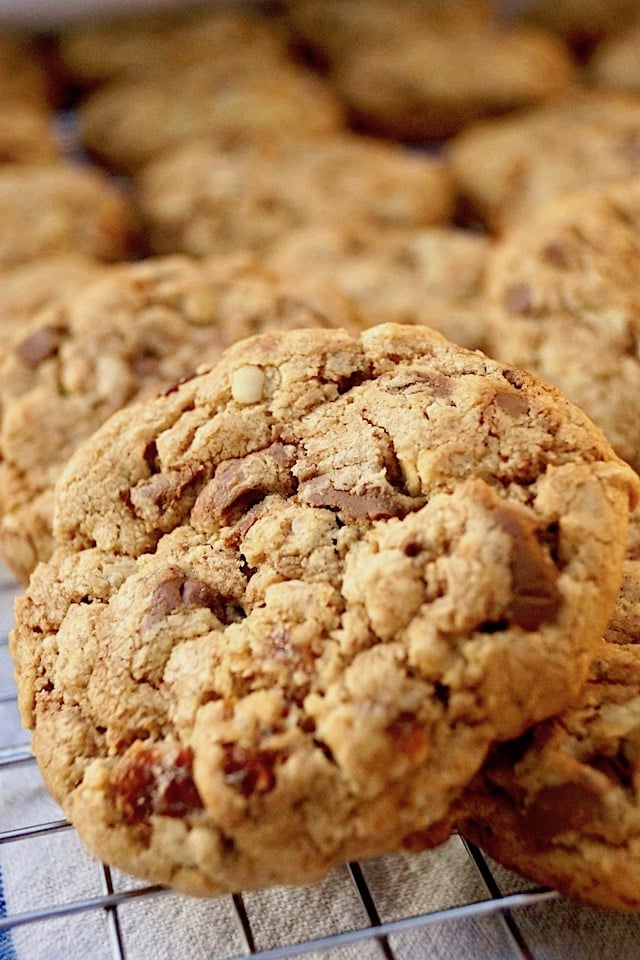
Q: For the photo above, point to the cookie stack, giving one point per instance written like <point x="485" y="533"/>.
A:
<point x="319" y="436"/>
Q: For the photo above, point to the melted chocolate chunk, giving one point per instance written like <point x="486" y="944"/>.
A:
<point x="374" y="505"/>
<point x="535" y="598"/>
<point x="177" y="591"/>
<point x="41" y="345"/>
<point x="245" y="481"/>
<point x="518" y="299"/>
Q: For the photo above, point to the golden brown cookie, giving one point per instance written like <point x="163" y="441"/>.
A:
<point x="506" y="167"/>
<point x="421" y="71"/>
<point x="26" y="289"/>
<point x="136" y="330"/>
<point x="616" y="61"/>
<point x="432" y="276"/>
<point x="62" y="208"/>
<point x="582" y="23"/>
<point x="138" y="45"/>
<point x="562" y="804"/>
<point x="203" y="199"/>
<point x="314" y="583"/>
<point x="562" y="301"/>
<point x="127" y="124"/>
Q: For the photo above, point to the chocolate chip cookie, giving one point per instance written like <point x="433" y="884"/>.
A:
<point x="582" y="23"/>
<point x="562" y="301"/>
<point x="508" y="166"/>
<point x="428" y="80"/>
<point x="138" y="45"/>
<point x="59" y="208"/>
<point x="203" y="199"/>
<point x="137" y="329"/>
<point x="314" y="583"/>
<point x="127" y="124"/>
<point x="26" y="289"/>
<point x="562" y="804"/>
<point x="433" y="276"/>
<point x="616" y="61"/>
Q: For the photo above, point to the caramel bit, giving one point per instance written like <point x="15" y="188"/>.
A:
<point x="244" y="481"/>
<point x="374" y="505"/>
<point x="518" y="299"/>
<point x="535" y="598"/>
<point x="250" y="772"/>
<point x="178" y="591"/>
<point x="151" y="781"/>
<point x="41" y="345"/>
<point x="563" y="807"/>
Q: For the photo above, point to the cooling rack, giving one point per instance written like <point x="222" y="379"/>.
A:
<point x="58" y="903"/>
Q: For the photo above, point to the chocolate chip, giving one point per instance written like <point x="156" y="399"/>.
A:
<point x="535" y="598"/>
<point x="518" y="299"/>
<point x="512" y="403"/>
<point x="244" y="481"/>
<point x="377" y="504"/>
<point x="41" y="345"/>
<point x="418" y="381"/>
<point x="178" y="591"/>
<point x="562" y="807"/>
<point x="555" y="254"/>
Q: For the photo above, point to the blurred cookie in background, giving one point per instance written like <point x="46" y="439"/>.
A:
<point x="616" y="61"/>
<point x="423" y="70"/>
<point x="62" y="208"/>
<point x="582" y="23"/>
<point x="203" y="199"/>
<point x="26" y="289"/>
<point x="432" y="276"/>
<point x="158" y="42"/>
<point x="136" y="330"/>
<point x="506" y="167"/>
<point x="562" y="300"/>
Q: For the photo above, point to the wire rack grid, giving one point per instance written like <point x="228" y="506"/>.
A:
<point x="56" y="902"/>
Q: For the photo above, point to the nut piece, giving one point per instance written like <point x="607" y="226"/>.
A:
<point x="247" y="384"/>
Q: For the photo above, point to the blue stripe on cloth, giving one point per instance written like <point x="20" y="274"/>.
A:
<point x="6" y="944"/>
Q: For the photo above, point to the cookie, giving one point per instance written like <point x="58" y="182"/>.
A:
<point x="616" y="62"/>
<point x="314" y="583"/>
<point x="137" y="45"/>
<point x="28" y="130"/>
<point x="582" y="23"/>
<point x="28" y="135"/>
<point x="24" y="78"/>
<point x="561" y="804"/>
<point x="202" y="199"/>
<point x="506" y="167"/>
<point x="62" y="208"/>
<point x="429" y="83"/>
<point x="136" y="330"/>
<point x="28" y="288"/>
<point x="126" y="125"/>
<point x="329" y="31"/>
<point x="433" y="276"/>
<point x="562" y="301"/>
